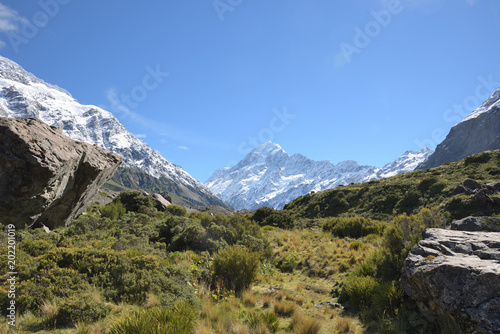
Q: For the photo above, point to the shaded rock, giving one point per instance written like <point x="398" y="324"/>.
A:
<point x="160" y="202"/>
<point x="460" y="190"/>
<point x="45" y="177"/>
<point x="454" y="276"/>
<point x="493" y="187"/>
<point x="473" y="185"/>
<point x="166" y="196"/>
<point x="331" y="305"/>
<point x="484" y="224"/>
<point x="480" y="199"/>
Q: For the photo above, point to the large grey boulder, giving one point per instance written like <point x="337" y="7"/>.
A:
<point x="46" y="177"/>
<point x="454" y="276"/>
<point x="479" y="224"/>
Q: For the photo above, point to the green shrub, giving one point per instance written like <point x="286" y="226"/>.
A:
<point x="176" y="210"/>
<point x="113" y="210"/>
<point x="236" y="267"/>
<point x="388" y="298"/>
<point x="409" y="202"/>
<point x="359" y="291"/>
<point x="261" y="214"/>
<point x="426" y="183"/>
<point x="135" y="201"/>
<point x="81" y="308"/>
<point x="179" y="319"/>
<point x="353" y="227"/>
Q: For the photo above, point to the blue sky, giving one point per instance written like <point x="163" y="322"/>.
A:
<point x="204" y="81"/>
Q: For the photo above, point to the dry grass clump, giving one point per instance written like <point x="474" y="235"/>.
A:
<point x="348" y="325"/>
<point x="284" y="309"/>
<point x="248" y="299"/>
<point x="302" y="324"/>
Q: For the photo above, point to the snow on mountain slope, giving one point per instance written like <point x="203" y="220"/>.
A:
<point x="24" y="95"/>
<point x="268" y="176"/>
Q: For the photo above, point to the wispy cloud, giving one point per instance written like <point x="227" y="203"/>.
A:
<point x="141" y="135"/>
<point x="9" y="19"/>
<point x="174" y="133"/>
<point x="472" y="2"/>
<point x="183" y="147"/>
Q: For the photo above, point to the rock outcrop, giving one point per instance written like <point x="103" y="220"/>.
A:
<point x="477" y="224"/>
<point x="47" y="178"/>
<point x="161" y="202"/>
<point x="454" y="276"/>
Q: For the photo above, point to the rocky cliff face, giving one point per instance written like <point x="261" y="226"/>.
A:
<point x="45" y="177"/>
<point x="454" y="276"/>
<point x="478" y="132"/>
<point x="22" y="95"/>
<point x="268" y="176"/>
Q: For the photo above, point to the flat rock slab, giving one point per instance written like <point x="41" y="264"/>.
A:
<point x="454" y="276"/>
<point x="46" y="177"/>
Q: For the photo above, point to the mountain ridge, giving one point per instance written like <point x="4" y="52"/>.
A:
<point x="23" y="95"/>
<point x="268" y="176"/>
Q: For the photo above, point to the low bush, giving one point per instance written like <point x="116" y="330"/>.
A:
<point x="235" y="267"/>
<point x="176" y="210"/>
<point x="113" y="210"/>
<point x="353" y="227"/>
<point x="81" y="308"/>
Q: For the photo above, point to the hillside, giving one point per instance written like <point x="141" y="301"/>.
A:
<point x="408" y="193"/>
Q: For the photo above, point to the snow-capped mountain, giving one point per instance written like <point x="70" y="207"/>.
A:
<point x="477" y="132"/>
<point x="268" y="176"/>
<point x="24" y="95"/>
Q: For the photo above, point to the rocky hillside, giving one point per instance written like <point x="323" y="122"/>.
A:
<point x="22" y="95"/>
<point x="477" y="132"/>
<point x="268" y="176"/>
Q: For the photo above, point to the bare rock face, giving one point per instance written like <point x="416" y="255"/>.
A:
<point x="45" y="177"/>
<point x="454" y="276"/>
<point x="161" y="202"/>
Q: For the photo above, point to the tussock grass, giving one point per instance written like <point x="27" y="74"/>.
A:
<point x="302" y="324"/>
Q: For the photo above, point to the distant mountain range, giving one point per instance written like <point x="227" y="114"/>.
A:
<point x="24" y="95"/>
<point x="477" y="132"/>
<point x="268" y="176"/>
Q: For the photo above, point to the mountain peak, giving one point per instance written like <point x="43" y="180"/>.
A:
<point x="486" y="106"/>
<point x="268" y="176"/>
<point x="267" y="149"/>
